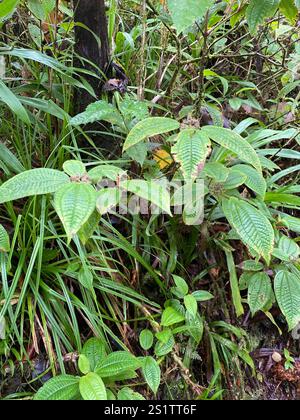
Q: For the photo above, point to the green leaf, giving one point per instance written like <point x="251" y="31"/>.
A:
<point x="152" y="374"/>
<point x="60" y="388"/>
<point x="146" y="339"/>
<point x="94" y="350"/>
<point x="282" y="198"/>
<point x="170" y="317"/>
<point x="98" y="111"/>
<point x="287" y="291"/>
<point x="185" y="12"/>
<point x="289" y="248"/>
<point x="202" y="296"/>
<point x="2" y="328"/>
<point x="251" y="225"/>
<point x="235" y="143"/>
<point x="87" y="230"/>
<point x="149" y="127"/>
<point x="164" y="335"/>
<point x="116" y="363"/>
<point x="260" y="293"/>
<point x="92" y="388"/>
<point x="217" y="171"/>
<point x="7" y="7"/>
<point x="162" y="349"/>
<point x="10" y="160"/>
<point x="121" y="377"/>
<point x="234" y="180"/>
<point x="194" y="326"/>
<point x="251" y="265"/>
<point x="234" y="284"/>
<point x="191" y="305"/>
<point x="110" y="395"/>
<point x="41" y="8"/>
<point x="74" y="204"/>
<point x="289" y="9"/>
<point x="151" y="191"/>
<point x="127" y="394"/>
<point x="9" y="98"/>
<point x="33" y="182"/>
<point x="258" y="11"/>
<point x="190" y="151"/>
<point x="4" y="240"/>
<point x="86" y="278"/>
<point x="74" y="168"/>
<point x="84" y="364"/>
<point x="255" y="181"/>
<point x="182" y="287"/>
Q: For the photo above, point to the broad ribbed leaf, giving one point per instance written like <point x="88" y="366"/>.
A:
<point x="235" y="143"/>
<point x="92" y="388"/>
<point x="4" y="240"/>
<point x="260" y="293"/>
<point x="74" y="168"/>
<point x="33" y="182"/>
<point x="190" y="151"/>
<point x="94" y="350"/>
<point x="288" y="248"/>
<point x="60" y="388"/>
<point x="185" y="12"/>
<point x="146" y="339"/>
<point x="287" y="291"/>
<point x="98" y="111"/>
<point x="116" y="363"/>
<point x="161" y="348"/>
<point x="258" y="11"/>
<point x="252" y="226"/>
<point x="150" y="191"/>
<point x="170" y="317"/>
<point x="255" y="181"/>
<point x="9" y="98"/>
<point x="148" y="128"/>
<point x="74" y="204"/>
<point x="152" y="374"/>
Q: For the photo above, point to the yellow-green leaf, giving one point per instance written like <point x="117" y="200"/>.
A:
<point x="149" y="127"/>
<point x="74" y="204"/>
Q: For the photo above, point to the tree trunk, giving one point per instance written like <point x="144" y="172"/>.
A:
<point x="91" y="13"/>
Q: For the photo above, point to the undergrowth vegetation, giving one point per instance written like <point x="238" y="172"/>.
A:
<point x="149" y="244"/>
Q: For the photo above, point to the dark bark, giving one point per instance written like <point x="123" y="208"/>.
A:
<point x="91" y="13"/>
